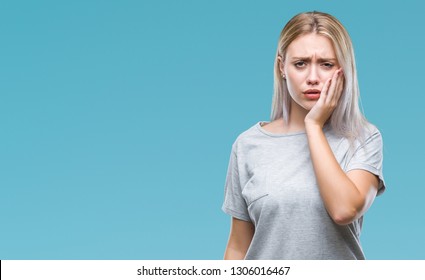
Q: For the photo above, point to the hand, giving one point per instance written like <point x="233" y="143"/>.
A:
<point x="327" y="102"/>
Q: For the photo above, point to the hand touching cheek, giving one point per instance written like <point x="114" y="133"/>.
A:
<point x="327" y="102"/>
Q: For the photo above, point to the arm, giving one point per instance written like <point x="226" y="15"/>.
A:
<point x="346" y="196"/>
<point x="241" y="234"/>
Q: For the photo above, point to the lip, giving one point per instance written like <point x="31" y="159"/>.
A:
<point x="312" y="94"/>
<point x="312" y="91"/>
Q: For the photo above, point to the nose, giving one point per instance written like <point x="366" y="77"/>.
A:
<point x="313" y="76"/>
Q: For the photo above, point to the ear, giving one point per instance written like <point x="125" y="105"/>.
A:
<point x="281" y="66"/>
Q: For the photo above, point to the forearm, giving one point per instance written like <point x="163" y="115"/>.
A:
<point x="234" y="254"/>
<point x="342" y="199"/>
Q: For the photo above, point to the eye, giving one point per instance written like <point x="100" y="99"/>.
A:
<point x="328" y="65"/>
<point x="300" y="64"/>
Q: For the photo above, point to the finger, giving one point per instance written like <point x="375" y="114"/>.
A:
<point x="335" y="91"/>
<point x="325" y="90"/>
<point x="339" y="86"/>
<point x="331" y="92"/>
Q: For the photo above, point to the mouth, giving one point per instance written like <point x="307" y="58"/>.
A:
<point x="312" y="94"/>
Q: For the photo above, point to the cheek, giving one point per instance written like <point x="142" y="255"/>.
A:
<point x="294" y="81"/>
<point x="327" y="75"/>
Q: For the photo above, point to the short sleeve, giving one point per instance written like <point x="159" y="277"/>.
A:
<point x="369" y="157"/>
<point x="234" y="204"/>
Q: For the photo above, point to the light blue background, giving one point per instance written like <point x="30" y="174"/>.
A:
<point x="117" y="119"/>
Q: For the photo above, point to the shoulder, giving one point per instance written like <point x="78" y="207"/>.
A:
<point x="362" y="136"/>
<point x="371" y="134"/>
<point x="370" y="129"/>
<point x="367" y="138"/>
<point x="369" y="144"/>
<point x="248" y="137"/>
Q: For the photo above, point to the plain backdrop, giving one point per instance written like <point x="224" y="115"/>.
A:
<point x="117" y="120"/>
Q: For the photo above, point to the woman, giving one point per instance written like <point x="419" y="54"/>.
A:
<point x="298" y="186"/>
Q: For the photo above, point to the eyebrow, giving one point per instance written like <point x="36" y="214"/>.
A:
<point x="309" y="59"/>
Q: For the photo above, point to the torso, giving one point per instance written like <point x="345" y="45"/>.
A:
<point x="277" y="191"/>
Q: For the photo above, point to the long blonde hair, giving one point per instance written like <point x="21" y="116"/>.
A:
<point x="347" y="120"/>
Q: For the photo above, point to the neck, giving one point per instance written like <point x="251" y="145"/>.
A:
<point x="296" y="117"/>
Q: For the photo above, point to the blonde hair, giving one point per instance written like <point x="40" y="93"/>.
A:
<point x="347" y="120"/>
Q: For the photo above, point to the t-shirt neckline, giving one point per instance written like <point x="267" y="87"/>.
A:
<point x="326" y="129"/>
<point x="261" y="129"/>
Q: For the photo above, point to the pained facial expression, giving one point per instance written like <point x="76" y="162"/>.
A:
<point x="309" y="62"/>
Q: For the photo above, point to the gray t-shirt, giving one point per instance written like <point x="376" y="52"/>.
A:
<point x="271" y="183"/>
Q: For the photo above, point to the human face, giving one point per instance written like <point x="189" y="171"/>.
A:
<point x="310" y="61"/>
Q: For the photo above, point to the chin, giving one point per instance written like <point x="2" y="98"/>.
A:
<point x="309" y="105"/>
